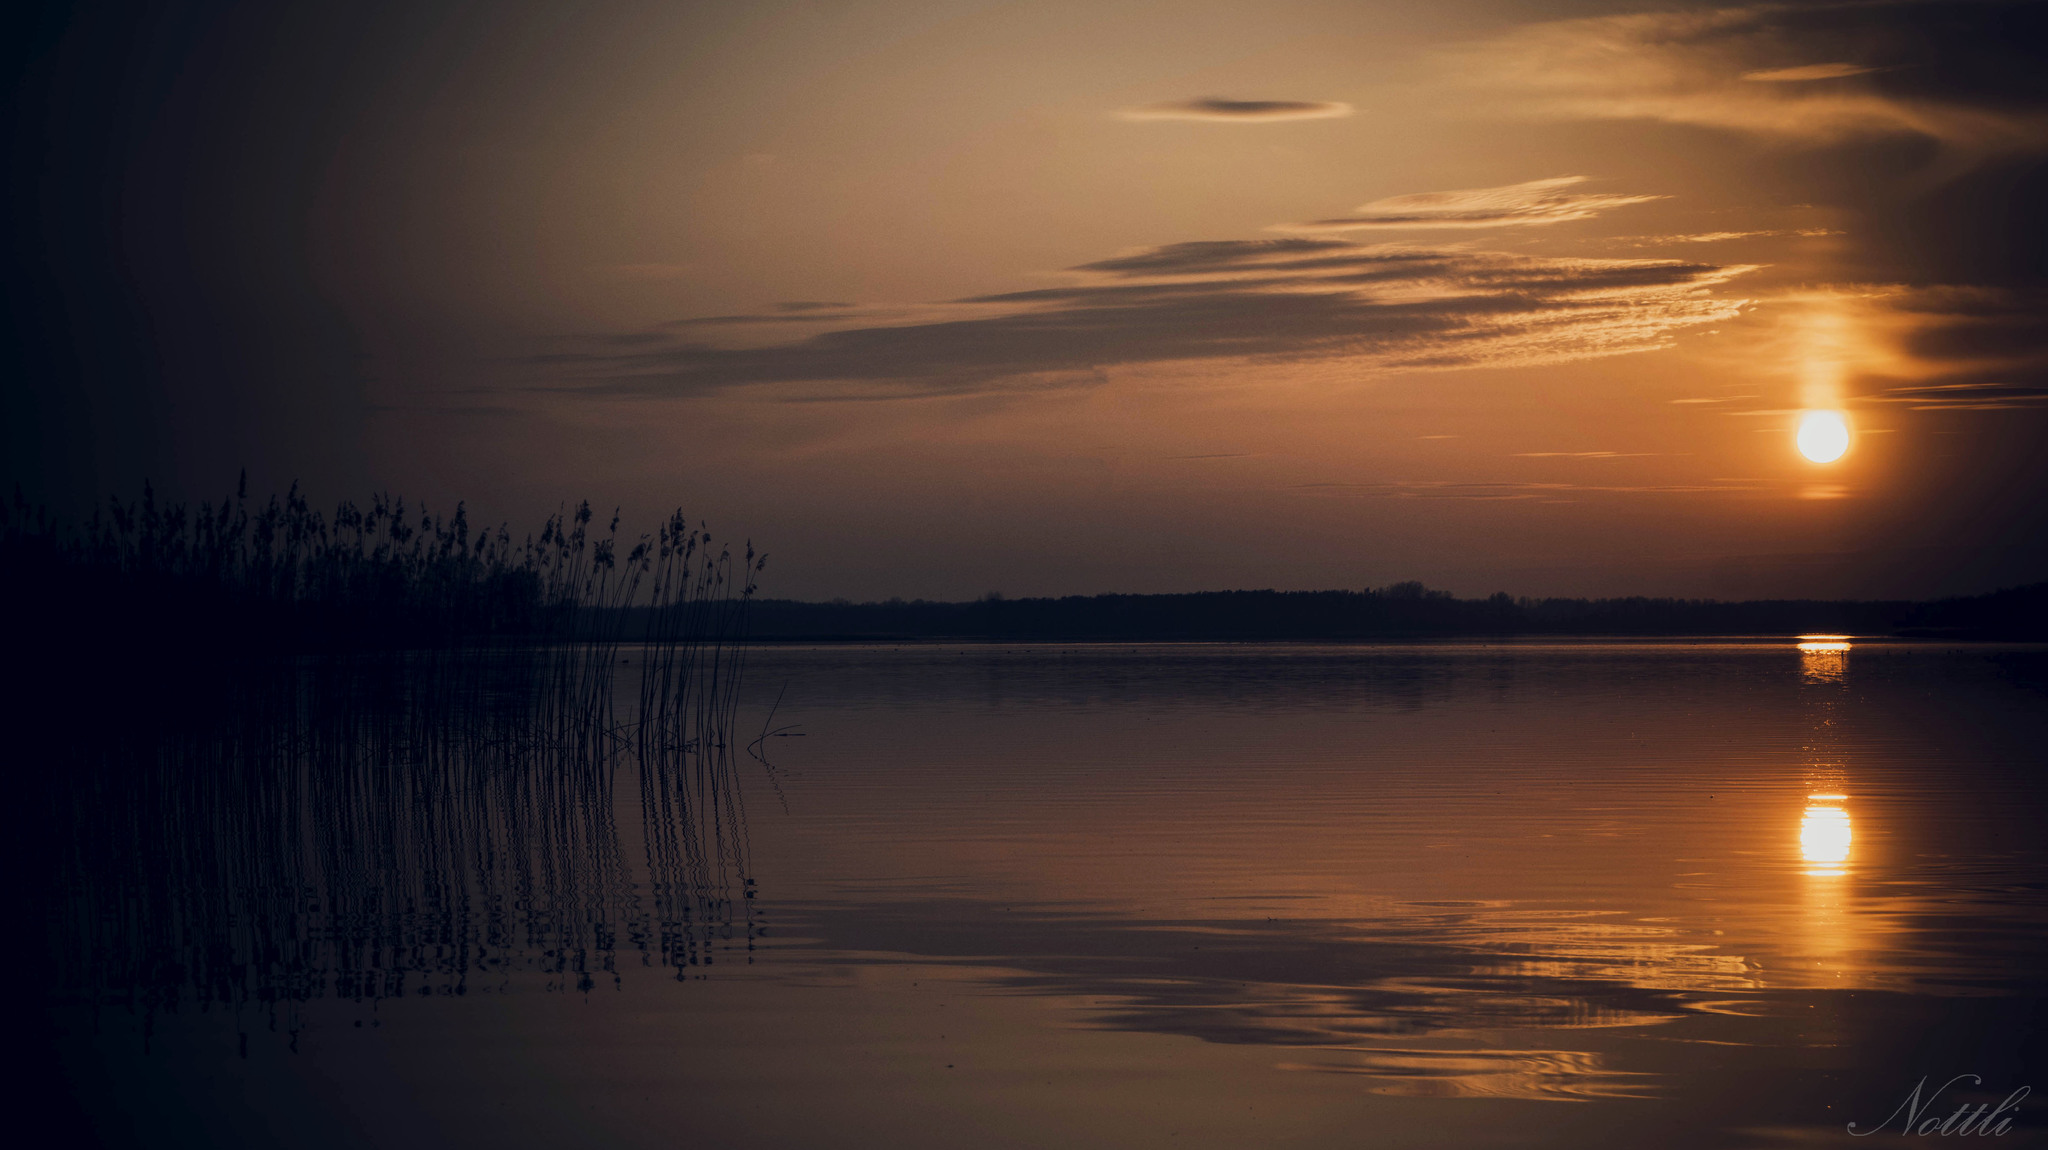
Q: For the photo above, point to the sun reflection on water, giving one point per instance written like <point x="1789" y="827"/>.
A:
<point x="1831" y="932"/>
<point x="1825" y="835"/>
<point x="1823" y="658"/>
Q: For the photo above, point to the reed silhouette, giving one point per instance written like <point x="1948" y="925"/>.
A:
<point x="238" y="577"/>
<point x="281" y="756"/>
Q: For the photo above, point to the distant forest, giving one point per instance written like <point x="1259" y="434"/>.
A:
<point x="242" y="577"/>
<point x="1402" y="610"/>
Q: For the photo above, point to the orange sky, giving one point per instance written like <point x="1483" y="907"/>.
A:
<point x="933" y="299"/>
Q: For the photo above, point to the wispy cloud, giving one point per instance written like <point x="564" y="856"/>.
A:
<point x="1274" y="300"/>
<point x="1958" y="82"/>
<point x="790" y="312"/>
<point x="1218" y="110"/>
<point x="1536" y="202"/>
<point x="1752" y="69"/>
<point x="1723" y="237"/>
<point x="1502" y="492"/>
<point x="1967" y="349"/>
<point x="1801" y="73"/>
<point x="1935" y="348"/>
<point x="1985" y="395"/>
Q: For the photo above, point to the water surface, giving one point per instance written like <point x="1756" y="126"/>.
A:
<point x="1688" y="894"/>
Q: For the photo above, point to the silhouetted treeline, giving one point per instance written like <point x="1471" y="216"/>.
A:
<point x="244" y="577"/>
<point x="1401" y="610"/>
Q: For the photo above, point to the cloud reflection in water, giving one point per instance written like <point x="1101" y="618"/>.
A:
<point x="1477" y="978"/>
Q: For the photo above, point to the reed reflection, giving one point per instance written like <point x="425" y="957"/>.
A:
<point x="411" y="825"/>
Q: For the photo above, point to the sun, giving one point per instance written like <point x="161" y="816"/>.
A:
<point x="1823" y="435"/>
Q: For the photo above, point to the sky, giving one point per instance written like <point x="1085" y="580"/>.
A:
<point x="938" y="299"/>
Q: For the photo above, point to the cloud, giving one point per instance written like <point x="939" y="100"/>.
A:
<point x="1989" y="395"/>
<point x="789" y="312"/>
<point x="1722" y="237"/>
<point x="1374" y="307"/>
<point x="1983" y="354"/>
<point x="1217" y="110"/>
<point x="1967" y="349"/>
<point x="1962" y="74"/>
<point x="1937" y="348"/>
<point x="1536" y="202"/>
<point x="1925" y="125"/>
<point x="1805" y="72"/>
<point x="1520" y="492"/>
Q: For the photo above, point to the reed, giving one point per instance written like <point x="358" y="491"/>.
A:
<point x="243" y="577"/>
<point x="287" y="755"/>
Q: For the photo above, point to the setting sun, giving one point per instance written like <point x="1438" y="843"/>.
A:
<point x="1294" y="496"/>
<point x="1823" y="435"/>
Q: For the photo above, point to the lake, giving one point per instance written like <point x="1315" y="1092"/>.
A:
<point x="1531" y="894"/>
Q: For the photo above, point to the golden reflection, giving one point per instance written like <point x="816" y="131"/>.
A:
<point x="1466" y="1073"/>
<point x="1831" y="932"/>
<point x="1823" y="658"/>
<point x="1825" y="835"/>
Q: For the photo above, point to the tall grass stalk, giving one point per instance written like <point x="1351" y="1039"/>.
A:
<point x="373" y="751"/>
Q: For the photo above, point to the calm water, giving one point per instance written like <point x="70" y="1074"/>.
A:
<point x="1462" y="896"/>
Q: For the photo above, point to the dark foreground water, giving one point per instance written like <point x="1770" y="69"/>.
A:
<point x="1679" y="895"/>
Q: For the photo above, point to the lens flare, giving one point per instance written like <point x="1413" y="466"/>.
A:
<point x="1823" y="435"/>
